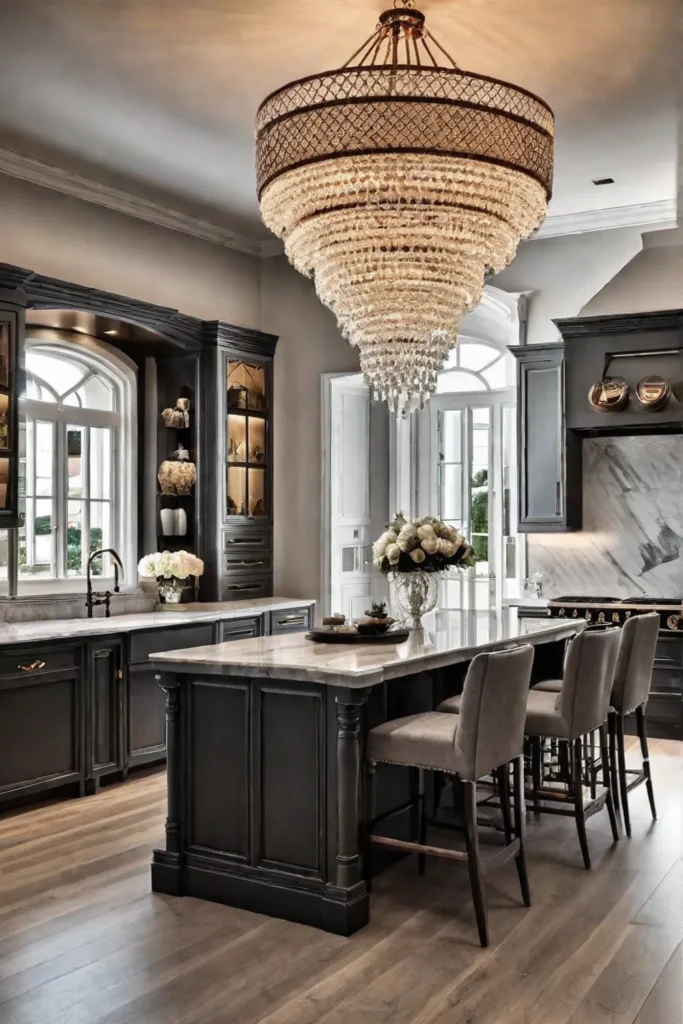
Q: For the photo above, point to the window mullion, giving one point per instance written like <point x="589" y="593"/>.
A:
<point x="60" y="490"/>
<point x="85" y="472"/>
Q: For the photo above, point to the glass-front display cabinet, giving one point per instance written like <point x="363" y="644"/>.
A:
<point x="11" y="341"/>
<point x="247" y="457"/>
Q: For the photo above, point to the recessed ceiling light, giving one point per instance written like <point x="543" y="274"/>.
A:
<point x="111" y="332"/>
<point x="603" y="181"/>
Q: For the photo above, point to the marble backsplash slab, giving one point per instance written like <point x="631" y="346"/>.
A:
<point x="632" y="537"/>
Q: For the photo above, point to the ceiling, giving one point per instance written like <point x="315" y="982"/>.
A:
<point x="157" y="97"/>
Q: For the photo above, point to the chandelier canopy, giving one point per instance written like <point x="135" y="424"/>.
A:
<point x="399" y="184"/>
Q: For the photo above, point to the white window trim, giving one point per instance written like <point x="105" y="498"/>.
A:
<point x="124" y="505"/>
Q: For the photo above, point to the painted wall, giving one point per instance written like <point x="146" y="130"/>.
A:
<point x="563" y="274"/>
<point x="67" y="238"/>
<point x="310" y="344"/>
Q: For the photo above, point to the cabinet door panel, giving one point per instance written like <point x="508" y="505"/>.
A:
<point x="40" y="731"/>
<point x="106" y="710"/>
<point x="146" y="716"/>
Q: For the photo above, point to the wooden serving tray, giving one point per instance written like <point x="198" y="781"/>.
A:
<point x="328" y="636"/>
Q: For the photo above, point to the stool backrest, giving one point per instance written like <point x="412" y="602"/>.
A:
<point x="492" y="711"/>
<point x="634" y="663"/>
<point x="587" y="681"/>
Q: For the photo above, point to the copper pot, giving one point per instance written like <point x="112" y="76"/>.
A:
<point x="609" y="395"/>
<point x="653" y="392"/>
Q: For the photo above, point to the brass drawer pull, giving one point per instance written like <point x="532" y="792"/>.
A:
<point x="32" y="667"/>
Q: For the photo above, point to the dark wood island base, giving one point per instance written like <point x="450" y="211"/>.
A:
<point x="265" y="774"/>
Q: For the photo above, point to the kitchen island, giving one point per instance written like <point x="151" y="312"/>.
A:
<point x="265" y="742"/>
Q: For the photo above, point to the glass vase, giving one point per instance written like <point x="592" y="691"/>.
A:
<point x="170" y="590"/>
<point x="415" y="594"/>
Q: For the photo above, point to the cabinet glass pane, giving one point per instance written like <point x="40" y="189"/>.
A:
<point x="4" y="481"/>
<point x="4" y="355"/>
<point x="237" y="491"/>
<point x="257" y="439"/>
<point x="257" y="494"/>
<point x="237" y="439"/>
<point x="246" y="385"/>
<point x="4" y="421"/>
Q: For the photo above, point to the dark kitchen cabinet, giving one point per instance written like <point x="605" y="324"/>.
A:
<point x="549" y="457"/>
<point x="41" y="720"/>
<point x="104" y="711"/>
<point x="146" y="717"/>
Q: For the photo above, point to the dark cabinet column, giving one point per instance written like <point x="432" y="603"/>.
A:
<point x="549" y="457"/>
<point x="104" y="711"/>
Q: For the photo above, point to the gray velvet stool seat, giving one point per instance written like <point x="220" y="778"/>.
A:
<point x="630" y="692"/>
<point x="484" y="739"/>
<point x="570" y="717"/>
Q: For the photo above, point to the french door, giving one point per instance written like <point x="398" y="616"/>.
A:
<point x="473" y="487"/>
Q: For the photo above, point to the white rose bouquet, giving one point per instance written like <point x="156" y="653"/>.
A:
<point x="167" y="565"/>
<point x="420" y="545"/>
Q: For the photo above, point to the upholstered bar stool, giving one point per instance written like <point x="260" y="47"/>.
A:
<point x="483" y="739"/>
<point x="631" y="689"/>
<point x="571" y="717"/>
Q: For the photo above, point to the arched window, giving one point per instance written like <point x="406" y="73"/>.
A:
<point x="77" y="469"/>
<point x="476" y="365"/>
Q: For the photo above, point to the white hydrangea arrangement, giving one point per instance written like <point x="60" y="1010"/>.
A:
<point x="166" y="565"/>
<point x="424" y="545"/>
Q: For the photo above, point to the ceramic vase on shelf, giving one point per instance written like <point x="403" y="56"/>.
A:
<point x="170" y="590"/>
<point x="168" y="522"/>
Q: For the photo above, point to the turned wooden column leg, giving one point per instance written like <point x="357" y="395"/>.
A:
<point x="170" y="686"/>
<point x="348" y="788"/>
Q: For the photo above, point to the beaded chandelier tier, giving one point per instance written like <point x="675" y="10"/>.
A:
<point x="399" y="185"/>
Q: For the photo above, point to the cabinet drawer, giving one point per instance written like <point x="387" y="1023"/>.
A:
<point x="149" y="642"/>
<point x="664" y="717"/>
<point x="255" y="586"/>
<point x="247" y="536"/>
<point x="239" y="629"/>
<point x="238" y="561"/>
<point x="37" y="660"/>
<point x="666" y="680"/>
<point x="290" y="621"/>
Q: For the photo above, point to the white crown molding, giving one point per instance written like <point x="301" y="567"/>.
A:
<point x="661" y="214"/>
<point x="16" y="165"/>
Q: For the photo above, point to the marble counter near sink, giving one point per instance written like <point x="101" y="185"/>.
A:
<point x="161" y="618"/>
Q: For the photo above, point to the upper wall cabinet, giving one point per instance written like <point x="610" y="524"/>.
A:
<point x="549" y="458"/>
<point x="11" y="345"/>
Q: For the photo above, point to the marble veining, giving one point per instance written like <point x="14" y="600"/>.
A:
<point x="632" y="538"/>
<point x="292" y="656"/>
<point x="21" y="632"/>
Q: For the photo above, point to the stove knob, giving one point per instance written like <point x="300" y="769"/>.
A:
<point x="615" y="616"/>
<point x="562" y="613"/>
<point x="588" y="614"/>
<point x="674" y="622"/>
<point x="574" y="613"/>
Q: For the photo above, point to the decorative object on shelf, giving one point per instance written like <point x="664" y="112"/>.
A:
<point x="399" y="185"/>
<point x="376" y="620"/>
<point x="180" y="522"/>
<point x="609" y="395"/>
<point x="414" y="553"/>
<point x="178" y="418"/>
<point x="171" y="569"/>
<point x="183" y="406"/>
<point x="177" y="475"/>
<point x="237" y="396"/>
<point x="653" y="392"/>
<point x="168" y="521"/>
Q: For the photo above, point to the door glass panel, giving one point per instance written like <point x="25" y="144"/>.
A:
<point x="451" y="492"/>
<point x="451" y="435"/>
<point x="348" y="558"/>
<point x="480" y="487"/>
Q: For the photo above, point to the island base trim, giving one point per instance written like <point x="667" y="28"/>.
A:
<point x="328" y="907"/>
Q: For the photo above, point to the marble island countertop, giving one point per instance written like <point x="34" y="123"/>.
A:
<point x="292" y="656"/>
<point x="162" y="618"/>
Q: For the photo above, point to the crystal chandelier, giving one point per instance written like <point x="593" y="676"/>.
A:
<point x="399" y="185"/>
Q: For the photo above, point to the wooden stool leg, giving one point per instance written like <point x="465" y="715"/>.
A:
<point x="613" y="757"/>
<point x="604" y="753"/>
<point x="623" y="777"/>
<point x="536" y="772"/>
<point x="578" y="801"/>
<point x="422" y="834"/>
<point x="473" y="860"/>
<point x="642" y="735"/>
<point x="520" y="829"/>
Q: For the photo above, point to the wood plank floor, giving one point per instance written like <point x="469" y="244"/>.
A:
<point x="84" y="941"/>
